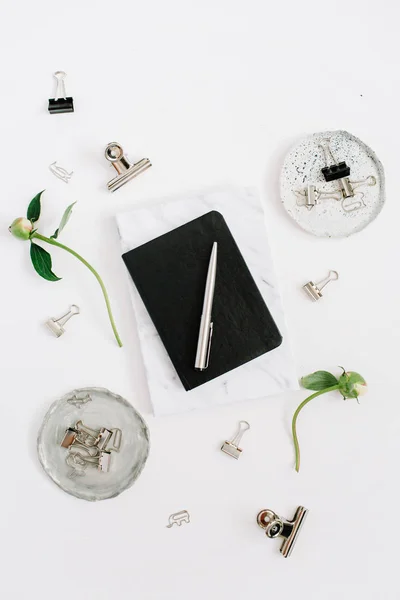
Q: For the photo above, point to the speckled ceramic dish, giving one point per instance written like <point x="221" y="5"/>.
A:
<point x="302" y="166"/>
<point x="96" y="408"/>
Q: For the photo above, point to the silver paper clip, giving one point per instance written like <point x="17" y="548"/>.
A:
<point x="79" y="401"/>
<point x="289" y="530"/>
<point x="315" y="289"/>
<point x="232" y="447"/>
<point x="56" y="326"/>
<point x="60" y="172"/>
<point x="126" y="170"/>
<point x="178" y="518"/>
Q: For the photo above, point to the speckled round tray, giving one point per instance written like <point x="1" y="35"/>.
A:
<point x="302" y="166"/>
<point x="96" y="408"/>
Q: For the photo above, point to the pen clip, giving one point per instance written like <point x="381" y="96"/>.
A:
<point x="210" y="334"/>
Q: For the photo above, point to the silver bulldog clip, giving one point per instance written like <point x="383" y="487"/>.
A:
<point x="314" y="290"/>
<point x="275" y="526"/>
<point x="56" y="326"/>
<point x="232" y="447"/>
<point x="126" y="170"/>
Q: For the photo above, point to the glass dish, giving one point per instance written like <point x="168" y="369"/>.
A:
<point x="96" y="408"/>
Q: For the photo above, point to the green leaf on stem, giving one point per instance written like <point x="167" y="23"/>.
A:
<point x="34" y="208"/>
<point x="64" y="221"/>
<point x="319" y="380"/>
<point x="41" y="261"/>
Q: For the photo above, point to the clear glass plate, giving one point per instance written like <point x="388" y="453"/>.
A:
<point x="96" y="408"/>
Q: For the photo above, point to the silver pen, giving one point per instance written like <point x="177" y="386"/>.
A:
<point x="206" y="325"/>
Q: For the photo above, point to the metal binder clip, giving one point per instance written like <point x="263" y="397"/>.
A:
<point x="315" y="289"/>
<point x="310" y="196"/>
<point x="69" y="437"/>
<point x="232" y="447"/>
<point x="61" y="103"/>
<point x="60" y="172"/>
<point x="56" y="326"/>
<point x="91" y="447"/>
<point x="178" y="518"/>
<point x="334" y="171"/>
<point x="88" y="436"/>
<point x="126" y="170"/>
<point x="275" y="526"/>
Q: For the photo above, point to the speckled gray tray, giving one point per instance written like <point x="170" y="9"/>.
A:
<point x="303" y="165"/>
<point x="102" y="409"/>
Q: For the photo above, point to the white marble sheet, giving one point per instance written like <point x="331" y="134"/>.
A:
<point x="269" y="374"/>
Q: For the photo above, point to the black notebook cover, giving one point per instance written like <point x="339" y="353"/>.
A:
<point x="170" y="274"/>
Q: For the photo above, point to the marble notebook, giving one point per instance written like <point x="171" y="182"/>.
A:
<point x="267" y="374"/>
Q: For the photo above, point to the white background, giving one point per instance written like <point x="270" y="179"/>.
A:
<point x="213" y="92"/>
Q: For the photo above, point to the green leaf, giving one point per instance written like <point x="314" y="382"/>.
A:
<point x="319" y="380"/>
<point x="64" y="221"/>
<point x="34" y="208"/>
<point x="41" y="261"/>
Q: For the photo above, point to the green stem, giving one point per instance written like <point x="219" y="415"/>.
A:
<point x="296" y="414"/>
<point x="95" y="273"/>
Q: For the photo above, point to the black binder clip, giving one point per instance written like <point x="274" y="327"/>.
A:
<point x="336" y="171"/>
<point x="61" y="103"/>
<point x="275" y="526"/>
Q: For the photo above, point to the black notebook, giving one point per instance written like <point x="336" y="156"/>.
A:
<point x="170" y="275"/>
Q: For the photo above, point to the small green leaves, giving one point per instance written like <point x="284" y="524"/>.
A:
<point x="41" y="261"/>
<point x="34" y="208"/>
<point x="64" y="221"/>
<point x="319" y="380"/>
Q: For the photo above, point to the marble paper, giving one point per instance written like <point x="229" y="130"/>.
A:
<point x="268" y="374"/>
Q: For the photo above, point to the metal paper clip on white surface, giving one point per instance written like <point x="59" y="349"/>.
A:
<point x="276" y="526"/>
<point x="126" y="170"/>
<point x="314" y="290"/>
<point x="178" y="518"/>
<point x="60" y="172"/>
<point x="232" y="447"/>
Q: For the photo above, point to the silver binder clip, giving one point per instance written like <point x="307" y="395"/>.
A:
<point x="69" y="437"/>
<point x="178" y="518"/>
<point x="275" y="526"/>
<point x="87" y="436"/>
<point x="232" y="447"/>
<point x="56" y="326"/>
<point x="126" y="170"/>
<point x="87" y="446"/>
<point x="315" y="289"/>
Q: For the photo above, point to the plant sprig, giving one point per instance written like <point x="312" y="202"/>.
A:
<point x="350" y="384"/>
<point x="23" y="229"/>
